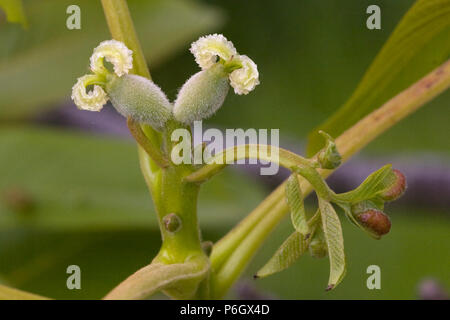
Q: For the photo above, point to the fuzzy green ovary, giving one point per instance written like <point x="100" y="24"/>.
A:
<point x="202" y="95"/>
<point x="139" y="98"/>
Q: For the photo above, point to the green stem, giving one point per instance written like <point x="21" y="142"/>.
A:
<point x="232" y="253"/>
<point x="270" y="153"/>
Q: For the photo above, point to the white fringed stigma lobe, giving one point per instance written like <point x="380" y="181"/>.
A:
<point x="246" y="78"/>
<point x="116" y="53"/>
<point x="93" y="100"/>
<point x="208" y="48"/>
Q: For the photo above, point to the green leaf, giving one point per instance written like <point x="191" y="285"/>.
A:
<point x="14" y="11"/>
<point x="294" y="199"/>
<point x="420" y="43"/>
<point x="375" y="184"/>
<point x="335" y="243"/>
<point x="291" y="249"/>
<point x="39" y="67"/>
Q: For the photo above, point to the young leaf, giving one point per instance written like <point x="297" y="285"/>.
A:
<point x="335" y="242"/>
<point x="291" y="249"/>
<point x="294" y="199"/>
<point x="375" y="184"/>
<point x="419" y="44"/>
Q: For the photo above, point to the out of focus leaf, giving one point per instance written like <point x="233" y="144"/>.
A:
<point x="7" y="293"/>
<point x="335" y="242"/>
<point x="291" y="249"/>
<point x="14" y="11"/>
<point x="39" y="67"/>
<point x="420" y="43"/>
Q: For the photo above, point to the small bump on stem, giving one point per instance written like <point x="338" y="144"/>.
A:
<point x="172" y="222"/>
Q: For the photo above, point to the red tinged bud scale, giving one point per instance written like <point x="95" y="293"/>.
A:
<point x="375" y="221"/>
<point x="397" y="189"/>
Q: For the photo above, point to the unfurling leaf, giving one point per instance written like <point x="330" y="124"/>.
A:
<point x="294" y="199"/>
<point x="329" y="157"/>
<point x="335" y="242"/>
<point x="291" y="249"/>
<point x="375" y="184"/>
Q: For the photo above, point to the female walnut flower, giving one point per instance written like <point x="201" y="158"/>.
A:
<point x="204" y="93"/>
<point x="132" y="96"/>
<point x="119" y="56"/>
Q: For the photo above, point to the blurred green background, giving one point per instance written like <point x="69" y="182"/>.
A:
<point x="74" y="197"/>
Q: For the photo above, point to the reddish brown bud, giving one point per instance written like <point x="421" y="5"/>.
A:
<point x="397" y="189"/>
<point x="375" y="221"/>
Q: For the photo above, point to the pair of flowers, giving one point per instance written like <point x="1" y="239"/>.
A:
<point x="139" y="98"/>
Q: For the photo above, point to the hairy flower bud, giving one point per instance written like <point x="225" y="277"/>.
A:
<point x="397" y="189"/>
<point x="139" y="98"/>
<point x="374" y="221"/>
<point x="329" y="157"/>
<point x="202" y="95"/>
